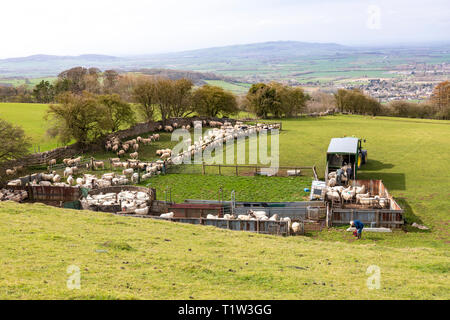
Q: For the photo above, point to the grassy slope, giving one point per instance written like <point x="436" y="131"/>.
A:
<point x="162" y="260"/>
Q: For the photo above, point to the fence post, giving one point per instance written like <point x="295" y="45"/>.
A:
<point x="203" y="167"/>
<point x="237" y="171"/>
<point x="220" y="173"/>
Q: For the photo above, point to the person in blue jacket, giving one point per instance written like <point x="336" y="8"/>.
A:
<point x="359" y="227"/>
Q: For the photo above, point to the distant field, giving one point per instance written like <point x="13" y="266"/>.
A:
<point x="31" y="82"/>
<point x="237" y="88"/>
<point x="30" y="117"/>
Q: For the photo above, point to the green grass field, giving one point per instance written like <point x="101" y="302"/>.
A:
<point x="130" y="258"/>
<point x="149" y="259"/>
<point x="30" y="116"/>
<point x="237" y="88"/>
<point x="30" y="82"/>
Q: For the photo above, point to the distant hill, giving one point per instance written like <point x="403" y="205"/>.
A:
<point x="265" y="50"/>
<point x="197" y="78"/>
<point x="53" y="58"/>
<point x="42" y="65"/>
<point x="247" y="62"/>
<point x="49" y="65"/>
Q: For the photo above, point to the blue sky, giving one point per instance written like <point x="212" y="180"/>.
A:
<point x="129" y="27"/>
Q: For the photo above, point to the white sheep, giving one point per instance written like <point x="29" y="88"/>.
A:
<point x="360" y="190"/>
<point x="68" y="172"/>
<point x="15" y="183"/>
<point x="142" y="211"/>
<point x="332" y="182"/>
<point x="165" y="156"/>
<point x="146" y="176"/>
<point x="288" y="220"/>
<point x="99" y="164"/>
<point x="167" y="215"/>
<point x="128" y="172"/>
<point x="348" y="194"/>
<point x="362" y="196"/>
<point x="134" y="155"/>
<point x="334" y="196"/>
<point x="10" y="172"/>
<point x="47" y="177"/>
<point x="296" y="227"/>
<point x="70" y="180"/>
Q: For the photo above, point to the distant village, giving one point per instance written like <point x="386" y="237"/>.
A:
<point x="416" y="82"/>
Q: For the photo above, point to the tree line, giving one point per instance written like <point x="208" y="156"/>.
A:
<point x="87" y="104"/>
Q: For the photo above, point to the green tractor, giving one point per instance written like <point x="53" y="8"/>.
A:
<point x="345" y="151"/>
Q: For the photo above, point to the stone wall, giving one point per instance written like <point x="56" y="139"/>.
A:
<point x="42" y="158"/>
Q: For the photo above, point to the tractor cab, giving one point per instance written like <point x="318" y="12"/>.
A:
<point x="345" y="155"/>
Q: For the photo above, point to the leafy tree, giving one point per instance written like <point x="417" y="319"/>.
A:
<point x="211" y="100"/>
<point x="44" y="92"/>
<point x="76" y="79"/>
<point x="356" y="101"/>
<point x="290" y="101"/>
<point x="144" y="93"/>
<point x="78" y="117"/>
<point x="14" y="143"/>
<point x="118" y="112"/>
<point x="262" y="99"/>
<point x="61" y="85"/>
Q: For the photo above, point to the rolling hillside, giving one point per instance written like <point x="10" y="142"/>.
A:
<point x="277" y="58"/>
<point x="131" y="258"/>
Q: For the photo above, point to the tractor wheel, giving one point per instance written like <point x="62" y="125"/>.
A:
<point x="360" y="160"/>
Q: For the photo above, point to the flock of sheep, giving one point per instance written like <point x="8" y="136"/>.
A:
<point x="221" y="132"/>
<point x="14" y="170"/>
<point x="129" y="201"/>
<point x="131" y="146"/>
<point x="250" y="216"/>
<point x="216" y="137"/>
<point x="13" y="195"/>
<point x="356" y="195"/>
